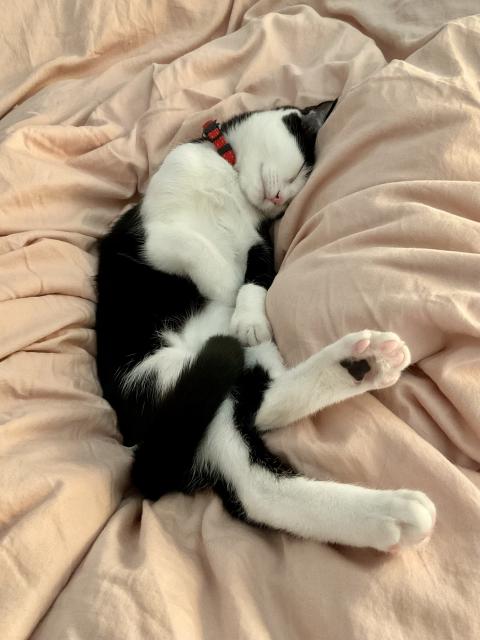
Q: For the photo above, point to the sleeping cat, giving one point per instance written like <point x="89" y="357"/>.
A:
<point x="185" y="350"/>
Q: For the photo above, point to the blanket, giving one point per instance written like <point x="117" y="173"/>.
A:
<point x="385" y="235"/>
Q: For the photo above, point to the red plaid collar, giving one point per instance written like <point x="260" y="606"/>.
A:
<point x="213" y="133"/>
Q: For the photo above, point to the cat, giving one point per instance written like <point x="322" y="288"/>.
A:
<point x="185" y="350"/>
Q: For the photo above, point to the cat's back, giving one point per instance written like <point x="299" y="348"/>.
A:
<point x="134" y="300"/>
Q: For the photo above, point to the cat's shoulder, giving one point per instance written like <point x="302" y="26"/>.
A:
<point x="190" y="155"/>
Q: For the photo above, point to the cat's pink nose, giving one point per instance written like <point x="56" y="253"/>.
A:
<point x="276" y="199"/>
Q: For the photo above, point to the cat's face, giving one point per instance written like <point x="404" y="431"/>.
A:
<point x="275" y="153"/>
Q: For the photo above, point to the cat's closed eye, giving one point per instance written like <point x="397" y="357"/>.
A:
<point x="296" y="175"/>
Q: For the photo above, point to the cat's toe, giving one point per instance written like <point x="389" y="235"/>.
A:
<point x="251" y="329"/>
<point x="388" y="356"/>
<point x="403" y="518"/>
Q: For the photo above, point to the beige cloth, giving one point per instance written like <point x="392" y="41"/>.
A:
<point x="385" y="235"/>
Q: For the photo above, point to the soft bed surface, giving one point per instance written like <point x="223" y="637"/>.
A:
<point x="386" y="235"/>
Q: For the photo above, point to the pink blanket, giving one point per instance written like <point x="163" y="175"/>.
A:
<point x="386" y="235"/>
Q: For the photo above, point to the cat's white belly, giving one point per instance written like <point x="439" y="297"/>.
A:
<point x="213" y="320"/>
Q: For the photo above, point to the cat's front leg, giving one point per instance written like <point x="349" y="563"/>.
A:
<point x="217" y="281"/>
<point x="184" y="252"/>
<point x="249" y="321"/>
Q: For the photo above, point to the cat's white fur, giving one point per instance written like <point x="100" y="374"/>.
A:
<point x="200" y="217"/>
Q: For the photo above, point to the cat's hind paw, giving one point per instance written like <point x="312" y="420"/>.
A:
<point x="399" y="519"/>
<point x="375" y="358"/>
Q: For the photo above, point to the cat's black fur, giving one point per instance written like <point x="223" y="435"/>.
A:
<point x="165" y="455"/>
<point x="135" y="303"/>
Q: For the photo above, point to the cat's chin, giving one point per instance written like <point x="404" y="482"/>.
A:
<point x="269" y="210"/>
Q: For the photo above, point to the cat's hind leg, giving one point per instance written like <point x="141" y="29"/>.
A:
<point x="356" y="363"/>
<point x="253" y="488"/>
<point x="175" y="419"/>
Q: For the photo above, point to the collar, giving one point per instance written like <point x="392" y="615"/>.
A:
<point x="213" y="133"/>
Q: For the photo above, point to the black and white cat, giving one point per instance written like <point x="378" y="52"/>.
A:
<point x="185" y="350"/>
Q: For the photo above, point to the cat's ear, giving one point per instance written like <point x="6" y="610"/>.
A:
<point x="314" y="117"/>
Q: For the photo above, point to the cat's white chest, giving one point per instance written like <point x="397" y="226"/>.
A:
<point x="198" y="222"/>
<point x="197" y="190"/>
<point x="230" y="227"/>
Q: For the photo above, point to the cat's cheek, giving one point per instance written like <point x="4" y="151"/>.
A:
<point x="291" y="191"/>
<point x="252" y="187"/>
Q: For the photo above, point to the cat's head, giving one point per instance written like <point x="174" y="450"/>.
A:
<point x="275" y="152"/>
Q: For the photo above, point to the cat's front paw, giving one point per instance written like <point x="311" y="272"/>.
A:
<point x="396" y="519"/>
<point x="374" y="358"/>
<point x="249" y="321"/>
<point x="250" y="328"/>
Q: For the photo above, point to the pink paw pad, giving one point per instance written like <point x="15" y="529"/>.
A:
<point x="361" y="346"/>
<point x="397" y="358"/>
<point x="389" y="346"/>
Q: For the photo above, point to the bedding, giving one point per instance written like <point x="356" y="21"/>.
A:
<point x="385" y="235"/>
